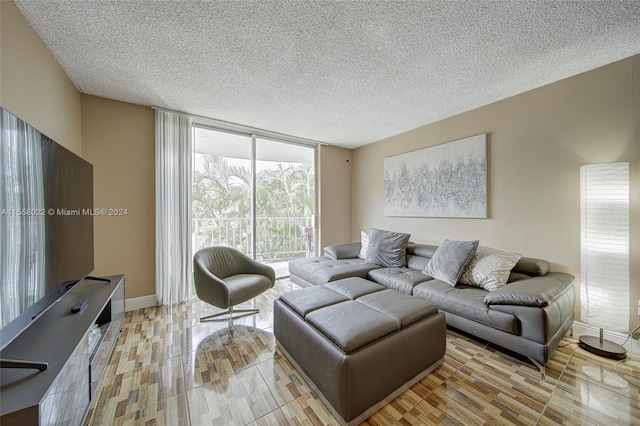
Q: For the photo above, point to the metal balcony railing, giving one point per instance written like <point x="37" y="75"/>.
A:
<point x="278" y="238"/>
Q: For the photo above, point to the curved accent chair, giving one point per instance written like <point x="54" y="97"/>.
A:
<point x="225" y="277"/>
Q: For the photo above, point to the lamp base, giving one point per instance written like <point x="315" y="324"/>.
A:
<point x="605" y="348"/>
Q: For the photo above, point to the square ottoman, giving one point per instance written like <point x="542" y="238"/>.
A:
<point x="359" y="344"/>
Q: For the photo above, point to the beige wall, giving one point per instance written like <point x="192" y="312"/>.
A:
<point x="119" y="139"/>
<point x="335" y="195"/>
<point x="32" y="84"/>
<point x="537" y="142"/>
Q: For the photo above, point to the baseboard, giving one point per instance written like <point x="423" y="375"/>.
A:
<point x="140" y="302"/>
<point x="632" y="345"/>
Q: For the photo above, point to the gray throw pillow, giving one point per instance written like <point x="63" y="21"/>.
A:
<point x="387" y="248"/>
<point x="450" y="259"/>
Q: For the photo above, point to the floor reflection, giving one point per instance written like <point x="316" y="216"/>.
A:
<point x="168" y="368"/>
<point x="605" y="376"/>
<point x="228" y="351"/>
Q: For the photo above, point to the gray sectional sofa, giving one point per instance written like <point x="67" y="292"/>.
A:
<point x="528" y="316"/>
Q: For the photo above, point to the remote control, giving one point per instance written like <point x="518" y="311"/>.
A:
<point x="80" y="305"/>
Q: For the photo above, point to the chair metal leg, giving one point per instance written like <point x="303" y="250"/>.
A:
<point x="229" y="314"/>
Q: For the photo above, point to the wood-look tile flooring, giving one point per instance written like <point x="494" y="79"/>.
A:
<point x="170" y="369"/>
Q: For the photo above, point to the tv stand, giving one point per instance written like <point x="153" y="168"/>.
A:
<point x="16" y="363"/>
<point x="89" y="277"/>
<point x="77" y="349"/>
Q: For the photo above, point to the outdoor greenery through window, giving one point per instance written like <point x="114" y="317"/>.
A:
<point x="223" y="211"/>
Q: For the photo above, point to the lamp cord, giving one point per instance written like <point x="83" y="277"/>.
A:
<point x="615" y="366"/>
<point x="615" y="369"/>
<point x="629" y="336"/>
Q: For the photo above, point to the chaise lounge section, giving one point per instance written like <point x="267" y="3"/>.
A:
<point x="528" y="316"/>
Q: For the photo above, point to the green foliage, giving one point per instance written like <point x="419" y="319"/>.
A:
<point x="221" y="207"/>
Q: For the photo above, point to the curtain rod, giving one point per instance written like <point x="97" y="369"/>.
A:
<point x="234" y="127"/>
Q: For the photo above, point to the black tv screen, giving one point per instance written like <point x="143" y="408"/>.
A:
<point x="46" y="223"/>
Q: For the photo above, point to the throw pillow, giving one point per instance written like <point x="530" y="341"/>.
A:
<point x="364" y="243"/>
<point x="489" y="268"/>
<point x="449" y="260"/>
<point x="387" y="248"/>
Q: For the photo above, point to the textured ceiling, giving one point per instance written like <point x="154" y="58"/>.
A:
<point x="347" y="73"/>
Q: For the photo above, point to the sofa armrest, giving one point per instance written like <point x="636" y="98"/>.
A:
<point x="536" y="291"/>
<point x="343" y="251"/>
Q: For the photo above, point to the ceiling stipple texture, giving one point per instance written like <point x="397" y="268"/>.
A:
<point x="347" y="73"/>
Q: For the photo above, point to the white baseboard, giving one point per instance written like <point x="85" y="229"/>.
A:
<point x="139" y="302"/>
<point x="632" y="345"/>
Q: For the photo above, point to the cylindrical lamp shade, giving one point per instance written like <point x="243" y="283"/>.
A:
<point x="604" y="245"/>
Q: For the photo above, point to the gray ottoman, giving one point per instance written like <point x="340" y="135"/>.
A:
<point x="357" y="343"/>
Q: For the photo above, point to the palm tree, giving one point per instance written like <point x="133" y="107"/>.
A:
<point x="221" y="191"/>
<point x="285" y="191"/>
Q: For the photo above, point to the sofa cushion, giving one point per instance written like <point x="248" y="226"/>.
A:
<point x="489" y="268"/>
<point x="468" y="302"/>
<point x="417" y="262"/>
<point x="449" y="261"/>
<point x="517" y="276"/>
<point x="321" y="270"/>
<point x="424" y="250"/>
<point x="401" y="279"/>
<point x="387" y="248"/>
<point x="342" y="251"/>
<point x="536" y="291"/>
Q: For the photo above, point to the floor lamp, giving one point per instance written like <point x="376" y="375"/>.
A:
<point x="604" y="252"/>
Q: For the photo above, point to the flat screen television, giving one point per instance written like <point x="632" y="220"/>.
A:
<point x="46" y="223"/>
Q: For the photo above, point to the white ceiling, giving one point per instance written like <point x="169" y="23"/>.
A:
<point x="347" y="73"/>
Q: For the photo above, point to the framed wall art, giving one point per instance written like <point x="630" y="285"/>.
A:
<point x="448" y="180"/>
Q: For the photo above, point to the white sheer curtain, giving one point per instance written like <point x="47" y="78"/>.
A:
<point x="22" y="245"/>
<point x="173" y="207"/>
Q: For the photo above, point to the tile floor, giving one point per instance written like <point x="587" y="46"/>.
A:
<point x="170" y="369"/>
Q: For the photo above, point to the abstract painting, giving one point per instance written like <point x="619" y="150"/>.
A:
<point x="448" y="180"/>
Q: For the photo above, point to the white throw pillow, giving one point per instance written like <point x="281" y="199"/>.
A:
<point x="364" y="242"/>
<point x="489" y="268"/>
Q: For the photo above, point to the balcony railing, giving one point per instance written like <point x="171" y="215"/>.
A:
<point x="278" y="238"/>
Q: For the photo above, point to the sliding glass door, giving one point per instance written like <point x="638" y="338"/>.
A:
<point x="256" y="195"/>
<point x="221" y="192"/>
<point x="285" y="203"/>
